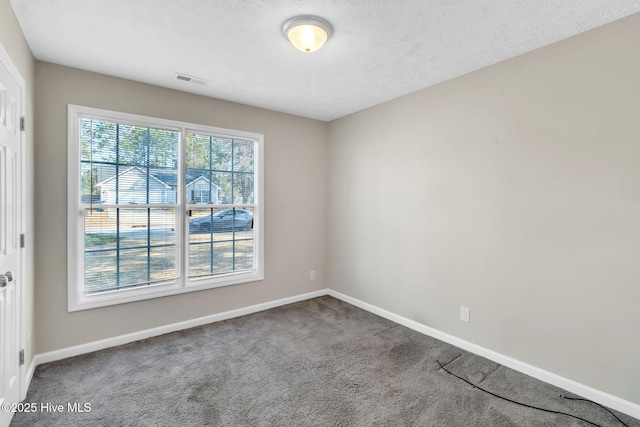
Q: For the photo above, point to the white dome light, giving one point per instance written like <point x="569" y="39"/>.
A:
<point x="307" y="33"/>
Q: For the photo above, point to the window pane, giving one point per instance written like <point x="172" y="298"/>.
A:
<point x="220" y="241"/>
<point x="223" y="181"/>
<point x="242" y="156"/>
<point x="127" y="248"/>
<point x="202" y="188"/>
<point x="222" y="166"/>
<point x="243" y="188"/>
<point x="126" y="164"/>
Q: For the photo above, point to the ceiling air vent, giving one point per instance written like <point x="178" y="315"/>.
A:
<point x="191" y="79"/>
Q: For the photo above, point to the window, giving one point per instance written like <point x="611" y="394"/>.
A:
<point x="158" y="207"/>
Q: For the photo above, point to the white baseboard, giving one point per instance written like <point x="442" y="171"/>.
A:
<point x="28" y="375"/>
<point x="585" y="391"/>
<point x="77" y="350"/>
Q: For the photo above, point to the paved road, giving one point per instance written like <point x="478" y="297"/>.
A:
<point x="132" y="232"/>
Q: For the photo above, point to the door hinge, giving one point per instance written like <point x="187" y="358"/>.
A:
<point x="21" y="357"/>
<point x="22" y="123"/>
<point x="22" y="240"/>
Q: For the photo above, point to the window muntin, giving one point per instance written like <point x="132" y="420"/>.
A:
<point x="223" y="166"/>
<point x="221" y="240"/>
<point x="125" y="165"/>
<point x="127" y="248"/>
<point x="139" y="183"/>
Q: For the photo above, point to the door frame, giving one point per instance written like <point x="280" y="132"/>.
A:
<point x="6" y="60"/>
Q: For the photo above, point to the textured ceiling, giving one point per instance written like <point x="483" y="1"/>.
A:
<point x="380" y="49"/>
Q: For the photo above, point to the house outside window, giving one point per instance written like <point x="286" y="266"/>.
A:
<point x="159" y="207"/>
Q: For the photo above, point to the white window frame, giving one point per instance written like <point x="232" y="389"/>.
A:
<point x="76" y="298"/>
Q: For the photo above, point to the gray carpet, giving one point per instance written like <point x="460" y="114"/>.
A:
<point x="320" y="362"/>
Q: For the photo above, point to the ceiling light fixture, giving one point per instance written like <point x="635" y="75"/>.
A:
<point x="307" y="33"/>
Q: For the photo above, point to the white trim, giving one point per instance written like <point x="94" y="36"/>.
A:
<point x="6" y="60"/>
<point x="591" y="393"/>
<point x="77" y="350"/>
<point x="11" y="67"/>
<point x="30" y="372"/>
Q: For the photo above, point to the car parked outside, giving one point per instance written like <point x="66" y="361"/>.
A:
<point x="222" y="221"/>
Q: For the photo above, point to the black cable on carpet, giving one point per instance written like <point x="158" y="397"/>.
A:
<point x="596" y="403"/>
<point x="530" y="406"/>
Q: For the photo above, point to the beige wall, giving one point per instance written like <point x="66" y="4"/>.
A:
<point x="513" y="190"/>
<point x="15" y="45"/>
<point x="295" y="204"/>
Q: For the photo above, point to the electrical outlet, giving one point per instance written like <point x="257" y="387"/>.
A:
<point x="312" y="275"/>
<point x="465" y="314"/>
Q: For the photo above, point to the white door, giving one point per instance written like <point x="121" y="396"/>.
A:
<point x="10" y="182"/>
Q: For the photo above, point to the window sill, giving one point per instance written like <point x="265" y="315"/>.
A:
<point x="175" y="287"/>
